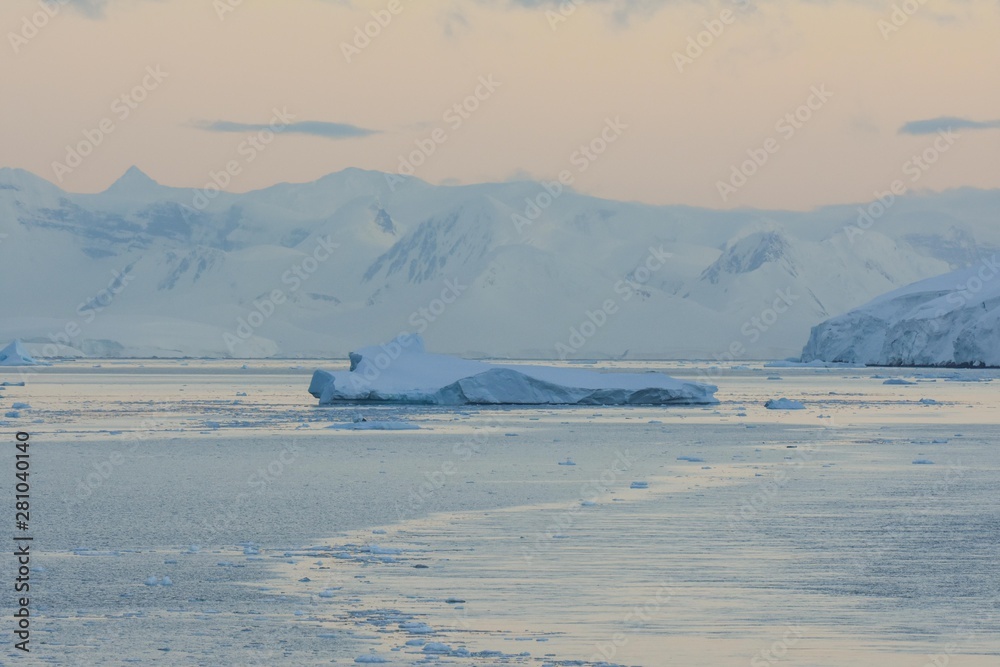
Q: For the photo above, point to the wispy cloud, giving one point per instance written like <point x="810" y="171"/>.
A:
<point x="315" y="128"/>
<point x="932" y="125"/>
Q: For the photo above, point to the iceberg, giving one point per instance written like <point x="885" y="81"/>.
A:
<point x="401" y="371"/>
<point x="951" y="321"/>
<point x="15" y="355"/>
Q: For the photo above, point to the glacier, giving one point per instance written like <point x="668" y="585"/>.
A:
<point x="402" y="371"/>
<point x="950" y="320"/>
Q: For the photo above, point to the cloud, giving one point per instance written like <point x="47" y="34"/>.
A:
<point x="315" y="128"/>
<point x="933" y="125"/>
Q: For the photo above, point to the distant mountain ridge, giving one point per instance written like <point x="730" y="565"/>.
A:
<point x="321" y="268"/>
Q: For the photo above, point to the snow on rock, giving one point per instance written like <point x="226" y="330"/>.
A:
<point x="784" y="404"/>
<point x="15" y="355"/>
<point x="402" y="372"/>
<point x="948" y="320"/>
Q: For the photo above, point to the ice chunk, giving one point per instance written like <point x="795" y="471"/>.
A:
<point x="784" y="404"/>
<point x="402" y="372"/>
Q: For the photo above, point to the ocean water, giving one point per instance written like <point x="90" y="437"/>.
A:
<point x="860" y="530"/>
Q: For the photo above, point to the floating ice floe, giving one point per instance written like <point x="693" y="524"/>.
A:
<point x="784" y="404"/>
<point x="416" y="628"/>
<point x="402" y="372"/>
<point x="436" y="647"/>
<point x="156" y="581"/>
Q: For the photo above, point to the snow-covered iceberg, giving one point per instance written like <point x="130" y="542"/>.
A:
<point x="15" y="355"/>
<point x="402" y="372"/>
<point x="949" y="320"/>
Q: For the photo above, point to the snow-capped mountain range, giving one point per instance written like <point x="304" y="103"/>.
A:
<point x="493" y="270"/>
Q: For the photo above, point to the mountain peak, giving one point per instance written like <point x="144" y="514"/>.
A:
<point x="749" y="253"/>
<point x="132" y="181"/>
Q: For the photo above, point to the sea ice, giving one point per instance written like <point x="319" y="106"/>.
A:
<point x="375" y="426"/>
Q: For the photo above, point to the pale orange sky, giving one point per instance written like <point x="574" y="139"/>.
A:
<point x="685" y="130"/>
